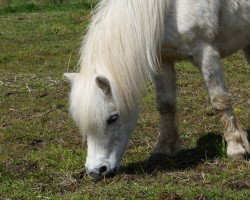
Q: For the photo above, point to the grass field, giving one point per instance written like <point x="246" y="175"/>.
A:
<point x="42" y="155"/>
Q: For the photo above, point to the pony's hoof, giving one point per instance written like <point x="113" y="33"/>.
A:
<point x="236" y="150"/>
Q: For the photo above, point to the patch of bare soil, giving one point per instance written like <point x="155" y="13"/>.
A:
<point x="169" y="196"/>
<point x="79" y="175"/>
<point x="37" y="143"/>
<point x="201" y="197"/>
<point x="10" y="93"/>
<point x="68" y="185"/>
<point x="27" y="166"/>
<point x="22" y="169"/>
<point x="239" y="185"/>
<point x="130" y="177"/>
<point x="42" y="93"/>
<point x="136" y="143"/>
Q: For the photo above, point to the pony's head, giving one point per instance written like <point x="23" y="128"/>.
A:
<point x="94" y="106"/>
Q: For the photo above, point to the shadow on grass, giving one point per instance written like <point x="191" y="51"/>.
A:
<point x="209" y="147"/>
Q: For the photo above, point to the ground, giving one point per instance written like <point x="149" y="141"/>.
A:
<point x="42" y="155"/>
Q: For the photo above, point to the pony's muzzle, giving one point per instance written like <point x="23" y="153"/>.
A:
<point x="101" y="172"/>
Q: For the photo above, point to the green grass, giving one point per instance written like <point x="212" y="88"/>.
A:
<point x="42" y="155"/>
<point x="18" y="6"/>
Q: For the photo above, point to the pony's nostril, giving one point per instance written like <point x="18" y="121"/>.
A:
<point x="103" y="169"/>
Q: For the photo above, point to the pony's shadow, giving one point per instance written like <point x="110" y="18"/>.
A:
<point x="209" y="147"/>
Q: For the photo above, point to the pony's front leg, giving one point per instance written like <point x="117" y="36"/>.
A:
<point x="209" y="62"/>
<point x="168" y="142"/>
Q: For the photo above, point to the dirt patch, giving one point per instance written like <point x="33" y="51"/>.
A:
<point x="201" y="197"/>
<point x="29" y="166"/>
<point x="136" y="143"/>
<point x="60" y="106"/>
<point x="130" y="177"/>
<point x="10" y="93"/>
<point x="79" y="175"/>
<point x="42" y="93"/>
<point x="239" y="185"/>
<point x="37" y="143"/>
<point x="22" y="169"/>
<point x="169" y="196"/>
<point x="68" y="185"/>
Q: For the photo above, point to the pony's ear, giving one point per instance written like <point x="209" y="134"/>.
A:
<point x="103" y="83"/>
<point x="70" y="76"/>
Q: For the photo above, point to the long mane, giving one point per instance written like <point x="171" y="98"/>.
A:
<point x="123" y="42"/>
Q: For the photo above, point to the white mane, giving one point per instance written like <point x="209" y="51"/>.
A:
<point x="123" y="43"/>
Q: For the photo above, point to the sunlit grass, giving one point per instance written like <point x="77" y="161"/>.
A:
<point x="42" y="155"/>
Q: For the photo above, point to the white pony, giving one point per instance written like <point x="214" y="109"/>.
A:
<point x="131" y="41"/>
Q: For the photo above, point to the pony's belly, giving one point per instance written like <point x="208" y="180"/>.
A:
<point x="233" y="39"/>
<point x="234" y="30"/>
<point x="185" y="46"/>
<point x="228" y="46"/>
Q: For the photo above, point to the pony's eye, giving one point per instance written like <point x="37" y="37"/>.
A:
<point x="112" y="119"/>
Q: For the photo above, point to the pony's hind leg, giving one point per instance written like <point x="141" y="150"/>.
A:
<point x="168" y="142"/>
<point x="237" y="142"/>
<point x="246" y="51"/>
